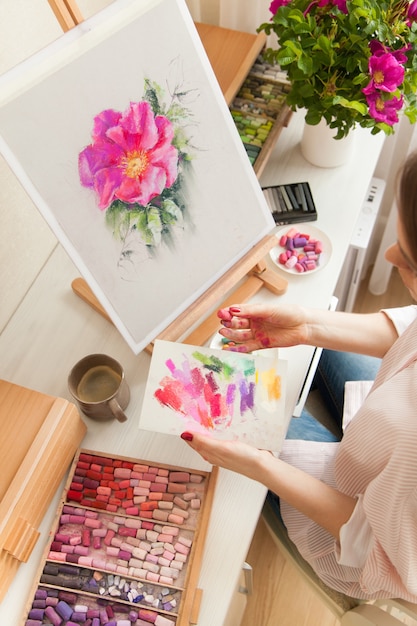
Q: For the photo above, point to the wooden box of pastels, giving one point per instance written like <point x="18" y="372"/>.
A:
<point x="39" y="436"/>
<point x="126" y="546"/>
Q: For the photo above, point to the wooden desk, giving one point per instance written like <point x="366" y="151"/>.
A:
<point x="240" y="50"/>
<point x="52" y="328"/>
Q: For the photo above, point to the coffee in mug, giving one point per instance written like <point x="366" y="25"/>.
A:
<point x="98" y="384"/>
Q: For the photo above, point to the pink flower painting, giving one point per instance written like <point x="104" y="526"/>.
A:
<point x="131" y="158"/>
<point x="136" y="166"/>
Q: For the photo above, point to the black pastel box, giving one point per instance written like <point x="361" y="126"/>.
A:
<point x="290" y="204"/>
<point x="126" y="546"/>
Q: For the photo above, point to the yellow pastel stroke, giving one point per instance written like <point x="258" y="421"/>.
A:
<point x="272" y="383"/>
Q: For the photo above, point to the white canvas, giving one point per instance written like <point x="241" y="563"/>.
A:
<point x="202" y="205"/>
<point x="226" y="395"/>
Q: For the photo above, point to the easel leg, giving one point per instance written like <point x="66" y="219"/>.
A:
<point x="67" y="13"/>
<point x="207" y="328"/>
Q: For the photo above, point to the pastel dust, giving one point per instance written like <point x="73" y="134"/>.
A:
<point x="209" y="389"/>
<point x="225" y="395"/>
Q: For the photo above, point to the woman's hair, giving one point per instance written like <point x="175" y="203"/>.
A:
<point x="407" y="201"/>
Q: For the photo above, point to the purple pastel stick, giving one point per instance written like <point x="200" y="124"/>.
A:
<point x="39" y="604"/>
<point x="64" y="610"/>
<point x="53" y="616"/>
<point x="36" y="614"/>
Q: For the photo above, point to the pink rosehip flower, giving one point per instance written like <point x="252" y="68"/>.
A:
<point x="386" y="73"/>
<point x="384" y="110"/>
<point x="378" y="49"/>
<point x="131" y="158"/>
<point x="340" y="4"/>
<point x="412" y="12"/>
<point x="277" y="4"/>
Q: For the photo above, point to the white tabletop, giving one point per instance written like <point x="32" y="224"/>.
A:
<point x="53" y="328"/>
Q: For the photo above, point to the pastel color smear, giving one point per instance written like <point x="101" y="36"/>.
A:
<point x="272" y="383"/>
<point x="228" y="395"/>
<point x="205" y="388"/>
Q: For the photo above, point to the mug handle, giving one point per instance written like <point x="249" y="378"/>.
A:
<point x="117" y="410"/>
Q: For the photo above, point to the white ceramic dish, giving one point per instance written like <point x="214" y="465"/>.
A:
<point x="314" y="233"/>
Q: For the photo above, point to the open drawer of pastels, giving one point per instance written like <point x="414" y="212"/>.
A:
<point x="126" y="546"/>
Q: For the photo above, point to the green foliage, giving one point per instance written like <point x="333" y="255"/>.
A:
<point x="150" y="222"/>
<point x="325" y="53"/>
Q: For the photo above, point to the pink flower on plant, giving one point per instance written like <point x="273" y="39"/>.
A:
<point x="378" y="49"/>
<point x="412" y="12"/>
<point x="384" y="110"/>
<point x="277" y="4"/>
<point x="131" y="158"/>
<point x="340" y="4"/>
<point x="386" y="73"/>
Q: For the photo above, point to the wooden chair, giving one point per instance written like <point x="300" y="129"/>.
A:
<point x="349" y="611"/>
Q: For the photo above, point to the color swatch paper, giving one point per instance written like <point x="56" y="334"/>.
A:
<point x="224" y="394"/>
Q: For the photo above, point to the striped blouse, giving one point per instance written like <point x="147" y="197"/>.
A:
<point x="376" y="461"/>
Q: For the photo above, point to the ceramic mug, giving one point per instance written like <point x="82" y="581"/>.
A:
<point x="98" y="384"/>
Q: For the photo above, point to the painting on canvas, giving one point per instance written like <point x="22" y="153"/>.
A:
<point x="120" y="134"/>
<point x="227" y="395"/>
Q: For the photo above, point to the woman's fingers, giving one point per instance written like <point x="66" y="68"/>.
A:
<point x="236" y="334"/>
<point x="236" y="323"/>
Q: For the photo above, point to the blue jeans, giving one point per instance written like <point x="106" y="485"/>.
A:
<point x="334" y="369"/>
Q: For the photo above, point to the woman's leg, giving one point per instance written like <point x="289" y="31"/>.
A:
<point x="334" y="370"/>
<point x="309" y="428"/>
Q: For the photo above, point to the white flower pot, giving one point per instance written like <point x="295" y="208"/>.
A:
<point x="319" y="147"/>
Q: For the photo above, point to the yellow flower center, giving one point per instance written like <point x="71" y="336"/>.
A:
<point x="379" y="104"/>
<point x="378" y="77"/>
<point x="135" y="163"/>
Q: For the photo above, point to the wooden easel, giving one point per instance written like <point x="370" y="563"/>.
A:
<point x="251" y="271"/>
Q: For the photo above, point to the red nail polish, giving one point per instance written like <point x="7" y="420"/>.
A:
<point x="186" y="436"/>
<point x="234" y="309"/>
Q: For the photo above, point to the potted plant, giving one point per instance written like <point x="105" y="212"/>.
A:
<point x="349" y="62"/>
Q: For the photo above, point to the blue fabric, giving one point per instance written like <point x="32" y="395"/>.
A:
<point x="334" y="369"/>
<point x="308" y="428"/>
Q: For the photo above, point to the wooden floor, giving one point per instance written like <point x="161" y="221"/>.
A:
<point x="280" y="596"/>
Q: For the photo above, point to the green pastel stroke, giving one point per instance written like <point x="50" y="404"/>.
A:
<point x="215" y="364"/>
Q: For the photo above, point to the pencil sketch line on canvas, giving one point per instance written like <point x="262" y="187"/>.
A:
<point x="138" y="164"/>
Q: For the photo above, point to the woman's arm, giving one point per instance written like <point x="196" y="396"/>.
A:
<point x="323" y="504"/>
<point x="255" y="326"/>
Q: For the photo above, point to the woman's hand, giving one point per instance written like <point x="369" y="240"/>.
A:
<point x="232" y="455"/>
<point x="255" y="326"/>
<point x="312" y="497"/>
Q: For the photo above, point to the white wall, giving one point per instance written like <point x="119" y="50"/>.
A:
<point x="26" y="241"/>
